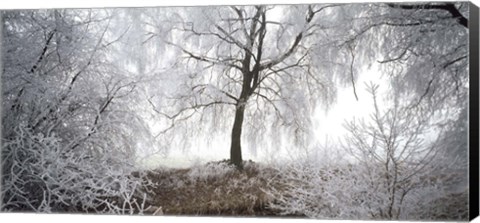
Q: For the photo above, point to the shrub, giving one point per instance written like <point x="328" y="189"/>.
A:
<point x="41" y="174"/>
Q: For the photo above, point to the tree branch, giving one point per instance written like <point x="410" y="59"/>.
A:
<point x="206" y="59"/>
<point x="449" y="7"/>
<point x="295" y="43"/>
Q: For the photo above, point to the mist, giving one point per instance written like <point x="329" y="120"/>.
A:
<point x="326" y="96"/>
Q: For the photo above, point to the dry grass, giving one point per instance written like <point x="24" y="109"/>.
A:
<point x="214" y="189"/>
<point x="217" y="188"/>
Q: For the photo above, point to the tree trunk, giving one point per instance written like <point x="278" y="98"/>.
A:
<point x="236" y="148"/>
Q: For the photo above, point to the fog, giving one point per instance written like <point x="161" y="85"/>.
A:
<point x="92" y="96"/>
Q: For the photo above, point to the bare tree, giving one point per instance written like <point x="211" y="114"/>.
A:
<point x="394" y="151"/>
<point x="390" y="164"/>
<point x="242" y="65"/>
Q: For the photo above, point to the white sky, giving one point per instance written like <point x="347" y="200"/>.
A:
<point x="347" y="107"/>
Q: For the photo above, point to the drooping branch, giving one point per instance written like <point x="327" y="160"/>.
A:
<point x="449" y="7"/>
<point x="454" y="61"/>
<point x="351" y="49"/>
<point x="176" y="117"/>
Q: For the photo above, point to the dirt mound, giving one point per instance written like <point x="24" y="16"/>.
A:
<point x="216" y="188"/>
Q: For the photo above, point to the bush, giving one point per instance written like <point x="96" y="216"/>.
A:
<point x="351" y="191"/>
<point x="40" y="174"/>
